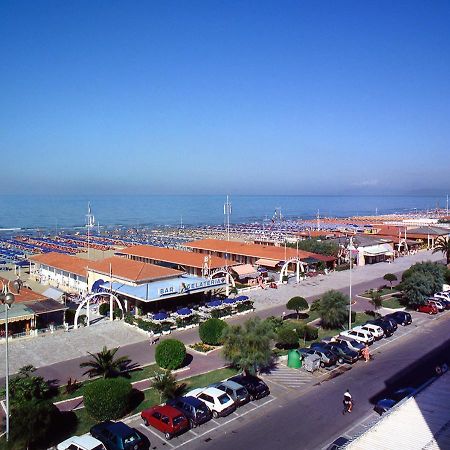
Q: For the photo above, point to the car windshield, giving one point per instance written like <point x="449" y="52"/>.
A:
<point x="224" y="399"/>
<point x="131" y="438"/>
<point x="241" y="392"/>
<point x="177" y="420"/>
<point x="99" y="447"/>
<point x="355" y="343"/>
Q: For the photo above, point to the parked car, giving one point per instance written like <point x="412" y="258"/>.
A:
<point x="427" y="308"/>
<point x="327" y="358"/>
<point x="385" y="325"/>
<point x="443" y="295"/>
<point x="167" y="419"/>
<point x="220" y="403"/>
<point x="400" y="317"/>
<point x="118" y="436"/>
<point x="387" y="403"/>
<point x="236" y="391"/>
<point x="440" y="307"/>
<point x="255" y="386"/>
<point x="376" y="331"/>
<point x="351" y="343"/>
<point x="359" y="335"/>
<point x="444" y="300"/>
<point x="343" y="352"/>
<point x="193" y="408"/>
<point x="84" y="442"/>
<point x="391" y="320"/>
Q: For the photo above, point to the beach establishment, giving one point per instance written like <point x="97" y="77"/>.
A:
<point x="31" y="311"/>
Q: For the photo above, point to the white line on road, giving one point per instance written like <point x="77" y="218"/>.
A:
<point x="157" y="435"/>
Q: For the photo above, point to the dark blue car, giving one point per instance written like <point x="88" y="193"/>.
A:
<point x="118" y="436"/>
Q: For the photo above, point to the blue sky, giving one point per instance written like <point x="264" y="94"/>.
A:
<point x="239" y="97"/>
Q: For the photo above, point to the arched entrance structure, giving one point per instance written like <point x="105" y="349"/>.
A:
<point x="228" y="277"/>
<point x="86" y="302"/>
<point x="300" y="267"/>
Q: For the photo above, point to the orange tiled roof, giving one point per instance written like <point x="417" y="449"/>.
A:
<point x="25" y="295"/>
<point x="254" y="250"/>
<point x="181" y="257"/>
<point x="131" y="270"/>
<point x="68" y="263"/>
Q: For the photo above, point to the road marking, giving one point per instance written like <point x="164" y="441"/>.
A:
<point x="215" y="421"/>
<point x="193" y="432"/>
<point x="224" y="423"/>
<point x="157" y="435"/>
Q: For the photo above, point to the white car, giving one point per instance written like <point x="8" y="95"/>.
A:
<point x="442" y="295"/>
<point x="359" y="335"/>
<point x="216" y="400"/>
<point x="375" y="330"/>
<point x="85" y="442"/>
<point x="437" y="303"/>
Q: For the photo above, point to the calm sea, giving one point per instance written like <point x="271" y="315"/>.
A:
<point x="70" y="211"/>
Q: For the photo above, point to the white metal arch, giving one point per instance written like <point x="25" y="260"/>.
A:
<point x="229" y="279"/>
<point x="300" y="267"/>
<point x="88" y="299"/>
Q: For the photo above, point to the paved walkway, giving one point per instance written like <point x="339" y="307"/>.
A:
<point x="58" y="356"/>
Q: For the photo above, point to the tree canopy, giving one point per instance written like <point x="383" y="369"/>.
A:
<point x="442" y="244"/>
<point x="322" y="247"/>
<point x="416" y="288"/>
<point x="333" y="309"/>
<point x="390" y="277"/>
<point x="297" y="304"/>
<point x="248" y="346"/>
<point x="434" y="272"/>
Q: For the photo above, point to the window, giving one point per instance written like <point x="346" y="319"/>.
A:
<point x="165" y="419"/>
<point x="206" y="397"/>
<point x="223" y="399"/>
<point x="178" y="420"/>
<point x="73" y="447"/>
<point x="157" y="415"/>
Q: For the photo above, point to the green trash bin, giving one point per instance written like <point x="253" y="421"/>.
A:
<point x="294" y="360"/>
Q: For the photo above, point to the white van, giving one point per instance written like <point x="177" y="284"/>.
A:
<point x="216" y="400"/>
<point x="359" y="335"/>
<point x="376" y="331"/>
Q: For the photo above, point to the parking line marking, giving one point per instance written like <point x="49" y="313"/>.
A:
<point x="193" y="432"/>
<point x="229" y="421"/>
<point x="215" y="421"/>
<point x="157" y="435"/>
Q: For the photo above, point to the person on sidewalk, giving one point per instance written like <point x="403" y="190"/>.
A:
<point x="348" y="402"/>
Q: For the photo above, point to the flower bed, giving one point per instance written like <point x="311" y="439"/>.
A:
<point x="202" y="348"/>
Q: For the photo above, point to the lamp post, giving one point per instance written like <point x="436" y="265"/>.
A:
<point x="8" y="298"/>
<point x="351" y="246"/>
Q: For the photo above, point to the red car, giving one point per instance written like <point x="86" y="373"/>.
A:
<point x="167" y="419"/>
<point x="427" y="308"/>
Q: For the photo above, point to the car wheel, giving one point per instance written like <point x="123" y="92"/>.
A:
<point x="430" y="313"/>
<point x="145" y="422"/>
<point x="340" y="361"/>
<point x="168" y="436"/>
<point x="322" y="364"/>
<point x="192" y="424"/>
<point x="252" y="398"/>
<point x="215" y="414"/>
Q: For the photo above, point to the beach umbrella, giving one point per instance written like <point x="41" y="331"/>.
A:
<point x="184" y="312"/>
<point x="160" y="316"/>
<point x="241" y="298"/>
<point x="214" y="304"/>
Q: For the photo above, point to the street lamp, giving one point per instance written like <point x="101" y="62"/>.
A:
<point x="351" y="245"/>
<point x="8" y="298"/>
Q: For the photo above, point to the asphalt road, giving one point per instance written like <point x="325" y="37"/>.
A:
<point x="312" y="419"/>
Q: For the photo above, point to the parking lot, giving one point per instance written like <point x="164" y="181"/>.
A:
<point x="204" y="432"/>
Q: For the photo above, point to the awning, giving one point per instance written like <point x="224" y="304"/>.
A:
<point x="246" y="271"/>
<point x="267" y="262"/>
<point x="46" y="306"/>
<point x="310" y="260"/>
<point x="16" y="313"/>
<point x="53" y="293"/>
<point x="380" y="249"/>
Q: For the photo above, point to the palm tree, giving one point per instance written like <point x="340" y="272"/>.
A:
<point x="103" y="363"/>
<point x="166" y="384"/>
<point x="442" y="244"/>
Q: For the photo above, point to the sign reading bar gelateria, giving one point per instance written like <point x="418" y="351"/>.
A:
<point x="187" y="287"/>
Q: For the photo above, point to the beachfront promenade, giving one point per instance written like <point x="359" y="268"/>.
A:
<point x="58" y="356"/>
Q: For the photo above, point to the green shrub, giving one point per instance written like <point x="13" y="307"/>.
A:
<point x="107" y="399"/>
<point x="82" y="320"/>
<point x="275" y="322"/>
<point x="287" y="337"/>
<point x="211" y="331"/>
<point x="245" y="306"/>
<point x="170" y="354"/>
<point x="129" y="318"/>
<point x="103" y="309"/>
